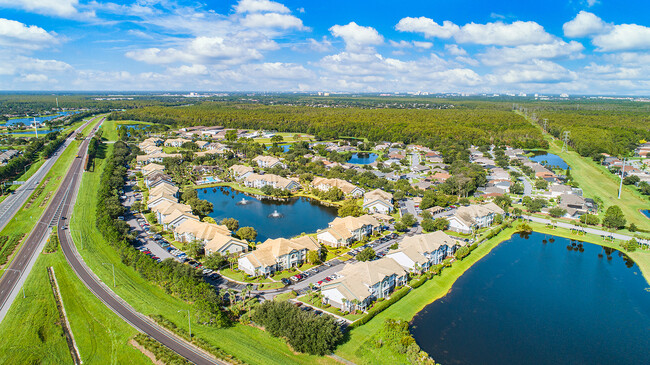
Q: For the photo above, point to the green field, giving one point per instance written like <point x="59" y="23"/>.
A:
<point x="30" y="333"/>
<point x="244" y="342"/>
<point x="110" y="127"/>
<point x="596" y="181"/>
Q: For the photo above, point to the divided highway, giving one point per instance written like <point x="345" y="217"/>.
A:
<point x="15" y="201"/>
<point x="57" y="215"/>
<point x="26" y="256"/>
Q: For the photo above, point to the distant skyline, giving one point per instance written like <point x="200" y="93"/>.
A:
<point x="574" y="47"/>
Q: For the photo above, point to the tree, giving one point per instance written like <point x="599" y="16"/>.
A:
<point x="498" y="219"/>
<point x="401" y="227"/>
<point x="557" y="212"/>
<point x="334" y="194"/>
<point x="428" y="225"/>
<point x="215" y="261"/>
<point x="231" y="223"/>
<point x="462" y="252"/>
<point x="517" y="188"/>
<point x="589" y="219"/>
<point x="207" y="219"/>
<point x="137" y="206"/>
<point x="408" y="220"/>
<point x="632" y="227"/>
<point x="541" y="184"/>
<point x="313" y="257"/>
<point x="350" y="208"/>
<point x="614" y="218"/>
<point x="440" y="224"/>
<point x="644" y="188"/>
<point x="201" y="207"/>
<point x="231" y="135"/>
<point x="247" y="233"/>
<point x="277" y="138"/>
<point x="631" y="180"/>
<point x="503" y="201"/>
<point x="426" y="214"/>
<point x="630" y="246"/>
<point x="366" y="254"/>
<point x="195" y="249"/>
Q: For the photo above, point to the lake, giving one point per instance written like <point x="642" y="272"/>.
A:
<point x="32" y="132"/>
<point x="548" y="159"/>
<point x="298" y="214"/>
<point x="29" y="121"/>
<point x="527" y="302"/>
<point x="364" y="159"/>
<point x="646" y="212"/>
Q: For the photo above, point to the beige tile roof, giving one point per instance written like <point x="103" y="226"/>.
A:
<point x="220" y="241"/>
<point x="415" y="246"/>
<point x="240" y="170"/>
<point x="152" y="167"/>
<point x="357" y="278"/>
<point x="345" y="186"/>
<point x="267" y="253"/>
<point x="175" y="214"/>
<point x="166" y="208"/>
<point x="469" y="214"/>
<point x="355" y="223"/>
<point x="163" y="188"/>
<point x="279" y="181"/>
<point x="202" y="230"/>
<point x="269" y="160"/>
<point x="377" y="194"/>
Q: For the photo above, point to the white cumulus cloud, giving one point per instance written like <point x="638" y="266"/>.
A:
<point x="556" y="49"/>
<point x="584" y="24"/>
<point x="428" y="27"/>
<point x="624" y="37"/>
<point x="60" y="8"/>
<point x="258" y="6"/>
<point x="18" y="35"/>
<point x="272" y="20"/>
<point x="357" y="37"/>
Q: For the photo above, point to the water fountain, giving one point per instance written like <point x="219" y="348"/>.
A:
<point x="243" y="201"/>
<point x="275" y="214"/>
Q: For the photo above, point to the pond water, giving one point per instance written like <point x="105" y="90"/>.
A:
<point x="29" y="121"/>
<point x="364" y="159"/>
<point x="285" y="147"/>
<point x="549" y="159"/>
<point x="646" y="212"/>
<point x="528" y="302"/>
<point x="298" y="215"/>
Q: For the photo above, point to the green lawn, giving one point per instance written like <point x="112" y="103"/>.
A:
<point x="597" y="181"/>
<point x="110" y="127"/>
<point x="241" y="276"/>
<point x="30" y="333"/>
<point x="249" y="344"/>
<point x="360" y="349"/>
<point x="316" y="302"/>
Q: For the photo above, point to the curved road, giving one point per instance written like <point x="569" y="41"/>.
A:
<point x="13" y="202"/>
<point x="101" y="291"/>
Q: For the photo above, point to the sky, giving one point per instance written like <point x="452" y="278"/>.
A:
<point x="576" y="47"/>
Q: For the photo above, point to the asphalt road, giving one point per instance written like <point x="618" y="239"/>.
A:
<point x="13" y="202"/>
<point x="26" y="255"/>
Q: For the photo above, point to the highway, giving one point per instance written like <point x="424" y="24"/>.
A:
<point x="101" y="291"/>
<point x="13" y="202"/>
<point x="19" y="268"/>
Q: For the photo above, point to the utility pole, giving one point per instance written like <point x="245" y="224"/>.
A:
<point x="620" y="187"/>
<point x="565" y="146"/>
<point x="105" y="263"/>
<point x="189" y="322"/>
<point x="545" y="124"/>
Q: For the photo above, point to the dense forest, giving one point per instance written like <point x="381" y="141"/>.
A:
<point x="476" y="125"/>
<point x="613" y="128"/>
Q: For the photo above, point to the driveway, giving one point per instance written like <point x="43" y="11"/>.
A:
<point x="528" y="186"/>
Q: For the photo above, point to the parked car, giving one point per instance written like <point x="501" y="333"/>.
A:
<point x="285" y="281"/>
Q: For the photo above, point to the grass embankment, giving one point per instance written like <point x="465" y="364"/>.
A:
<point x="597" y="182"/>
<point x="30" y="334"/>
<point x="360" y="348"/>
<point x="248" y="344"/>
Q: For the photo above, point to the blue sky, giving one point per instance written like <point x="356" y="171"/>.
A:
<point x="574" y="47"/>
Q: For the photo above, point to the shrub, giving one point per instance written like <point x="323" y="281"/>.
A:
<point x="380" y="307"/>
<point x="305" y="332"/>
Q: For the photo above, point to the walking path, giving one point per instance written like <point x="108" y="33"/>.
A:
<point x="595" y="231"/>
